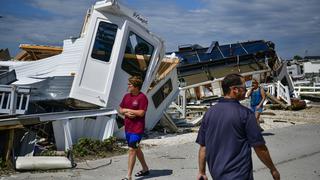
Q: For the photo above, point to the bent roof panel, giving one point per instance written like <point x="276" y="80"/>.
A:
<point x="223" y="51"/>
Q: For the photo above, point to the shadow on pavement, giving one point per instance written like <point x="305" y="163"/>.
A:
<point x="156" y="173"/>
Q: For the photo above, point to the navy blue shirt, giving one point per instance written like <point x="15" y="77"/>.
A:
<point x="228" y="131"/>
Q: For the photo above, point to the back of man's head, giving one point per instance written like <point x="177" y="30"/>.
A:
<point x="230" y="80"/>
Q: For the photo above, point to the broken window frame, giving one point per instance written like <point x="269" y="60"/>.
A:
<point x="162" y="93"/>
<point x="134" y="63"/>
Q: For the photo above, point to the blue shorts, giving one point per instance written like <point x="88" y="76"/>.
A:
<point x="133" y="139"/>
<point x="254" y="109"/>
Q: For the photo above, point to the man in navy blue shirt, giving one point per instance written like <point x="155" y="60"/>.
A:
<point x="227" y="133"/>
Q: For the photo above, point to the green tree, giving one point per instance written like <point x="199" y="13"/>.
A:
<point x="297" y="57"/>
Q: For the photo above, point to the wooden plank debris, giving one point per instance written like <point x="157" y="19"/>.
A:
<point x="8" y="149"/>
<point x="19" y="126"/>
<point x="35" y="52"/>
<point x="275" y="100"/>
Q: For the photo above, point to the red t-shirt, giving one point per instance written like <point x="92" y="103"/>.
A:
<point x="139" y="102"/>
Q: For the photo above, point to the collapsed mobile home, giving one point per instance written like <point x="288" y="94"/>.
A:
<point x="79" y="90"/>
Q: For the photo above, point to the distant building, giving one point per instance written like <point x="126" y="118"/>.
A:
<point x="4" y="54"/>
<point x="307" y="68"/>
<point x="294" y="69"/>
<point x="312" y="66"/>
<point x="311" y="58"/>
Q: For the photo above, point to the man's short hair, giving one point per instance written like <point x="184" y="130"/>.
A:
<point x="136" y="81"/>
<point x="230" y="80"/>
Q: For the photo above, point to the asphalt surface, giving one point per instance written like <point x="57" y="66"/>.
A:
<point x="295" y="150"/>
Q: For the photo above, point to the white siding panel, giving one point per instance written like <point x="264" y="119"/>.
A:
<point x="311" y="67"/>
<point x="63" y="64"/>
<point x="99" y="128"/>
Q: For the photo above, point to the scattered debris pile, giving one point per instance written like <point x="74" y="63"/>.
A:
<point x="275" y="103"/>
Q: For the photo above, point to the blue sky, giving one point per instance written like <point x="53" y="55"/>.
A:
<point x="293" y="25"/>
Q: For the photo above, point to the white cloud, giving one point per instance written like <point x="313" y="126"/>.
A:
<point x="282" y="22"/>
<point x="64" y="7"/>
<point x="293" y="25"/>
<point x="65" y="22"/>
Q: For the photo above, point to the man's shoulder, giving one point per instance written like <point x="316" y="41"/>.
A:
<point x="245" y="110"/>
<point x="239" y="106"/>
<point x="216" y="108"/>
<point x="142" y="95"/>
<point x="126" y="95"/>
<point x="244" y="107"/>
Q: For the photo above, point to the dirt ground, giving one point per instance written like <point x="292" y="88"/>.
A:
<point x="281" y="118"/>
<point x="272" y="119"/>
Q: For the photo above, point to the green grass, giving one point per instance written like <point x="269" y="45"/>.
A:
<point x="96" y="148"/>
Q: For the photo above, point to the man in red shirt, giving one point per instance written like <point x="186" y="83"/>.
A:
<point x="134" y="106"/>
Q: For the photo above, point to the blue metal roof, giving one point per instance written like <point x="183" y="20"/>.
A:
<point x="194" y="53"/>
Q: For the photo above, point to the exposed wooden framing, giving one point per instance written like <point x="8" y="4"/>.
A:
<point x="136" y="56"/>
<point x="21" y="55"/>
<point x="28" y="47"/>
<point x="166" y="66"/>
<point x="35" y="52"/>
<point x="8" y="148"/>
<point x="19" y="126"/>
<point x="34" y="55"/>
<point x="275" y="100"/>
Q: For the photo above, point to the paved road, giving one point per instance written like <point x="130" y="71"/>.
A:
<point x="295" y="150"/>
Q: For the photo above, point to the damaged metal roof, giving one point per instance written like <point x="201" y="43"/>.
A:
<point x="198" y="64"/>
<point x="195" y="53"/>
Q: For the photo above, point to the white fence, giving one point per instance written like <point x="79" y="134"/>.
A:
<point x="280" y="91"/>
<point x="181" y="105"/>
<point x="275" y="89"/>
<point x="306" y="90"/>
<point x="215" y="89"/>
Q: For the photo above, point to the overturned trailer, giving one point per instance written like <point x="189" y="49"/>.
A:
<point x="199" y="64"/>
<point x="91" y="74"/>
<point x="202" y="69"/>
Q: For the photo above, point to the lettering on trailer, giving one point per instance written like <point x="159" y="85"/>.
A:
<point x="140" y="18"/>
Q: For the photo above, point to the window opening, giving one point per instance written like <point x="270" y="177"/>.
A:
<point x="104" y="41"/>
<point x="162" y="93"/>
<point x="137" y="56"/>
